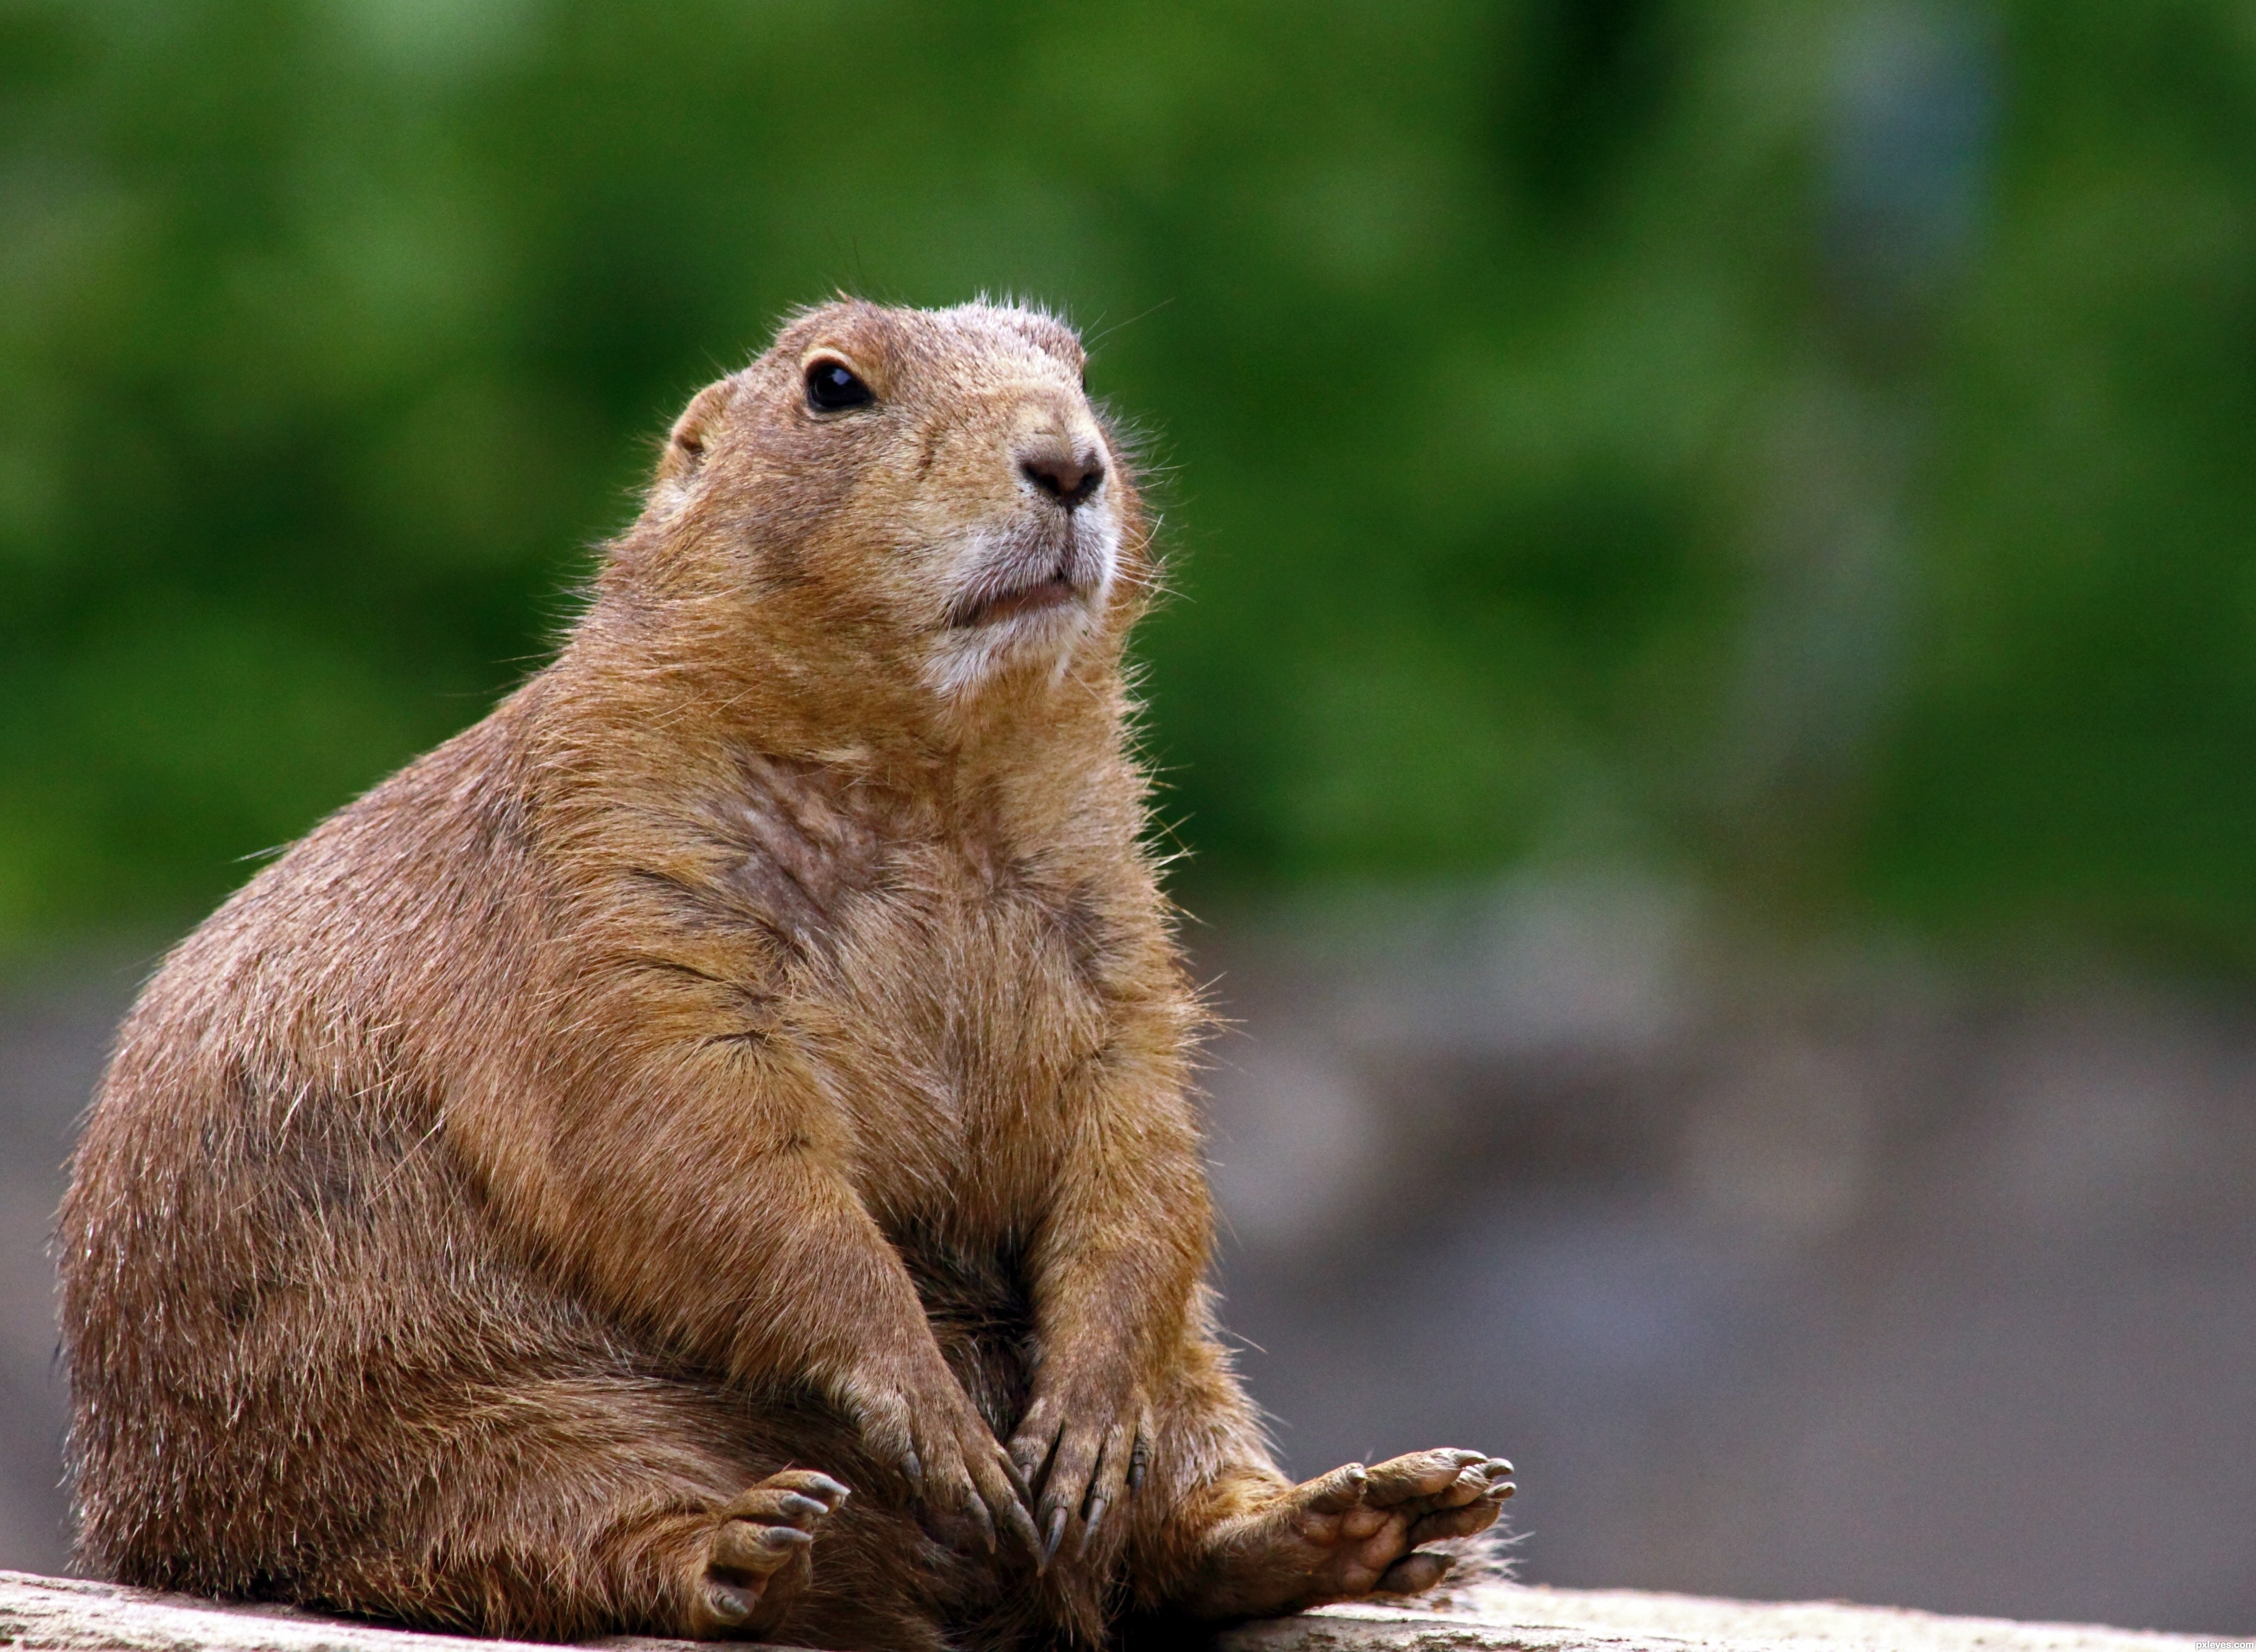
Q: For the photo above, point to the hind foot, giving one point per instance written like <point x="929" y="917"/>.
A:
<point x="755" y="1561"/>
<point x="1354" y="1531"/>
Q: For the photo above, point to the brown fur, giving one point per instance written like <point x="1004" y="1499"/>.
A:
<point x="757" y="1046"/>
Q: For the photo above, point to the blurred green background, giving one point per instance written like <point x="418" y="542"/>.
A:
<point x="1808" y="446"/>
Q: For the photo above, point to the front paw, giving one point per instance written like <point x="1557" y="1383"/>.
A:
<point x="1354" y="1531"/>
<point x="1082" y="1447"/>
<point x="943" y="1448"/>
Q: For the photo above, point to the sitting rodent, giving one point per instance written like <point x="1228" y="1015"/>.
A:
<point x="749" y="1064"/>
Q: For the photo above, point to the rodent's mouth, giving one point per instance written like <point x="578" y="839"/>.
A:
<point x="1052" y="592"/>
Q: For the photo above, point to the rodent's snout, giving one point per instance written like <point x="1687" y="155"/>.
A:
<point x="1067" y="471"/>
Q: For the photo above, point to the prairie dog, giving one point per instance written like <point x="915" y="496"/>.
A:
<point x="706" y="1151"/>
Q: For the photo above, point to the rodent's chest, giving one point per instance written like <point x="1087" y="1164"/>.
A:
<point x="951" y="1025"/>
<point x="975" y="992"/>
<point x="944" y="990"/>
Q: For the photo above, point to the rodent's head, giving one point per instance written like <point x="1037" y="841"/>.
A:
<point x="929" y="491"/>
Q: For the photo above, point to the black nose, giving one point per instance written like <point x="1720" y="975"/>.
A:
<point x="1069" y="478"/>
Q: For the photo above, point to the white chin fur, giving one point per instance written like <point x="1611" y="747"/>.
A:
<point x="964" y="657"/>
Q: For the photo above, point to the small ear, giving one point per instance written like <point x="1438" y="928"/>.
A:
<point x="685" y="447"/>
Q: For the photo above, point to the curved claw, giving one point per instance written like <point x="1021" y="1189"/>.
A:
<point x="831" y="1494"/>
<point x="727" y="1602"/>
<point x="1015" y="1515"/>
<point x="1088" y="1525"/>
<point x="1018" y="1481"/>
<point x="1030" y="1454"/>
<point x="975" y="1506"/>
<point x="1053" y="1536"/>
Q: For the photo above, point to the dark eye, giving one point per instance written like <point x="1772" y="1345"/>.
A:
<point x="831" y="387"/>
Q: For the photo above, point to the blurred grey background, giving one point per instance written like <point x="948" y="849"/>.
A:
<point x="1710" y="695"/>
